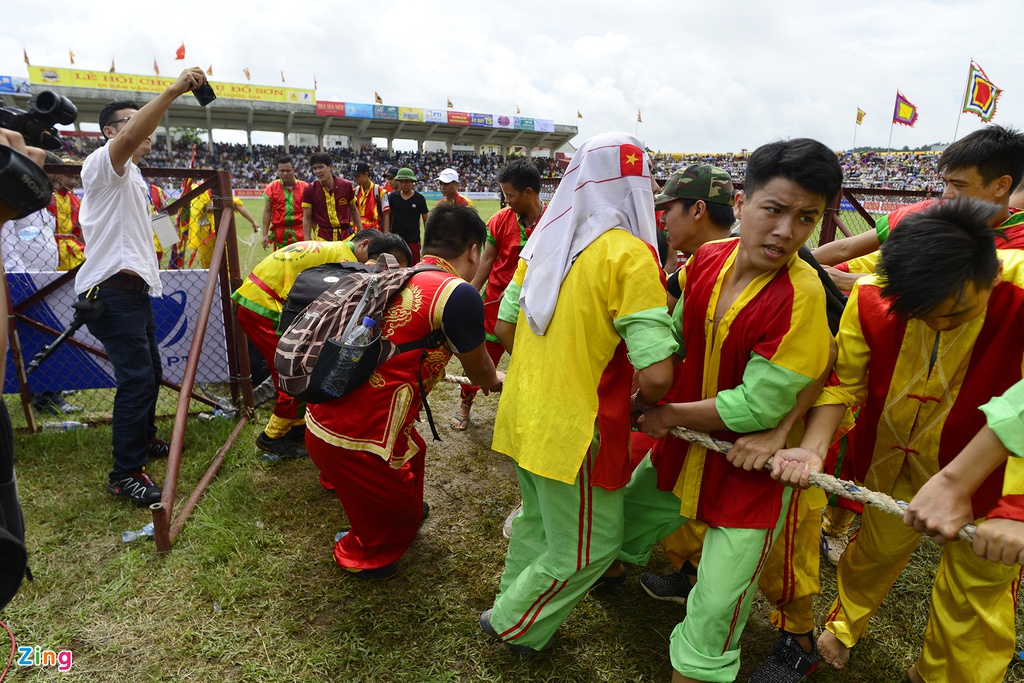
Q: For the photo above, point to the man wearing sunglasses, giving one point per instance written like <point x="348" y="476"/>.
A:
<point x="121" y="272"/>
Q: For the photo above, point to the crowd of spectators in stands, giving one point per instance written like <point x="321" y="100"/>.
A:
<point x="256" y="167"/>
<point x="478" y="173"/>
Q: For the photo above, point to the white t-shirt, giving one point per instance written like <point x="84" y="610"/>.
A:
<point x="115" y="220"/>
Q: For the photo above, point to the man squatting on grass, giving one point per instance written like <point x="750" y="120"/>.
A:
<point x="365" y="443"/>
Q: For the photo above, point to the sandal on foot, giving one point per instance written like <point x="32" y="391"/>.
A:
<point x="459" y="423"/>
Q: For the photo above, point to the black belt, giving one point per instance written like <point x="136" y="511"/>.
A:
<point x="132" y="283"/>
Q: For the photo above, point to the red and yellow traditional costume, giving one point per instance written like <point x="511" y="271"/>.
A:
<point x="920" y="392"/>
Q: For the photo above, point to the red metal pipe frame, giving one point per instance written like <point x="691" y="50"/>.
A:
<point x="161" y="528"/>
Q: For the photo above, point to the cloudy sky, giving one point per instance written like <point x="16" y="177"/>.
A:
<point x="709" y="76"/>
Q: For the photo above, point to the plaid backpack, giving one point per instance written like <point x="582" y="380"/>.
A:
<point x="313" y="361"/>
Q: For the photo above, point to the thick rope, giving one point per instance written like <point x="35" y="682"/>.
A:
<point x="825" y="482"/>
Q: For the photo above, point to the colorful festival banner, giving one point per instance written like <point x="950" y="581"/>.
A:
<point x="410" y="114"/>
<point x="101" y="80"/>
<point x="904" y="113"/>
<point x="385" y="112"/>
<point x="522" y="123"/>
<point x="355" y="110"/>
<point x="325" y="108"/>
<point x="982" y="94"/>
<point x="544" y="125"/>
<point x="435" y="115"/>
<point x="458" y="118"/>
<point x="485" y="120"/>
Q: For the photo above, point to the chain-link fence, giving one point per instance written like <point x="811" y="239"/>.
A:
<point x="41" y="255"/>
<point x="856" y="208"/>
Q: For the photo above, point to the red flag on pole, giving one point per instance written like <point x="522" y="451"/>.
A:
<point x="180" y="52"/>
<point x="156" y="67"/>
<point x="246" y="72"/>
<point x="25" y="53"/>
<point x="112" y="69"/>
<point x="209" y="70"/>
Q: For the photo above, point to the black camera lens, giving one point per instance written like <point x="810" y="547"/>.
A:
<point x="54" y="107"/>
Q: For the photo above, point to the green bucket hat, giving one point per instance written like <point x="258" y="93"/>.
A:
<point x="698" y="181"/>
<point x="407" y="174"/>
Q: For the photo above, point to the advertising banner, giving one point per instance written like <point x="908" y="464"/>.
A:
<point x="385" y="112"/>
<point x="458" y="118"/>
<point x="485" y="120"/>
<point x="174" y="313"/>
<point x="12" y="85"/>
<point x="354" y="110"/>
<point x="435" y="115"/>
<point x="502" y="121"/>
<point x="103" y="80"/>
<point x="522" y="123"/>
<point x="544" y="125"/>
<point x="410" y="114"/>
<point x="325" y="108"/>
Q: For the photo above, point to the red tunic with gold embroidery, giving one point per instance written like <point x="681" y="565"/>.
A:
<point x="379" y="416"/>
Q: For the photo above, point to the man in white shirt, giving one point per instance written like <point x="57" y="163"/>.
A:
<point x="122" y="272"/>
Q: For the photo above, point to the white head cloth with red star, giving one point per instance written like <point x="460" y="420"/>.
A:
<point x="607" y="186"/>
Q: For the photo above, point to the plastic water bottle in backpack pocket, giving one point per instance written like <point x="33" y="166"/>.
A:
<point x="355" y="359"/>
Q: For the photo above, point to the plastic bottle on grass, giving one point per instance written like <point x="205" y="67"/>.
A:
<point x="66" y="426"/>
<point x="129" y="536"/>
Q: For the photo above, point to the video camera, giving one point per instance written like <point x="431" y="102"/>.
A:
<point x="36" y="125"/>
<point x="24" y="186"/>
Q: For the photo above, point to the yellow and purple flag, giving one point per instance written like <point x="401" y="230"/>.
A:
<point x="639" y="118"/>
<point x="860" y="115"/>
<point x="71" y="56"/>
<point x="905" y="112"/>
<point x="156" y="67"/>
<point x="24" y="53"/>
<point x="579" y="114"/>
<point x="450" y="105"/>
<point x="113" y="70"/>
<point x="248" y="77"/>
<point x="982" y="94"/>
<point x="377" y="98"/>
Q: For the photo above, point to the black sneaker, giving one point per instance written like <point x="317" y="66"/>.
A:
<point x="297" y="433"/>
<point x="674" y="587"/>
<point x="787" y="663"/>
<point x="137" y="487"/>
<point x="282" y="447"/>
<point x="54" y="404"/>
<point x="157" y="448"/>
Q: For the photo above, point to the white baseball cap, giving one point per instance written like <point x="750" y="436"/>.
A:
<point x="449" y="175"/>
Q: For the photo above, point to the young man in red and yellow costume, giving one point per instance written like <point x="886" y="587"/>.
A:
<point x="507" y="232"/>
<point x="260" y="299"/>
<point x="922" y="345"/>
<point x="282" y="207"/>
<point x="329" y="211"/>
<point x="67" y="232"/>
<point x="371" y="200"/>
<point x="366" y="443"/>
<point x="756" y="335"/>
<point x="588" y="301"/>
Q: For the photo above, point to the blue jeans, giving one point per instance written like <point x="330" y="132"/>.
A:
<point x="128" y="334"/>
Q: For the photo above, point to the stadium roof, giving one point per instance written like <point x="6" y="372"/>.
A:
<point x="290" y="111"/>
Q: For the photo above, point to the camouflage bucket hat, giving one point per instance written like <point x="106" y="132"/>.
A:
<point x="698" y="181"/>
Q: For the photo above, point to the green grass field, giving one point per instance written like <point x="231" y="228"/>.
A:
<point x="250" y="591"/>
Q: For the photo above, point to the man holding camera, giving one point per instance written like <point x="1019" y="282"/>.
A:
<point x="121" y="273"/>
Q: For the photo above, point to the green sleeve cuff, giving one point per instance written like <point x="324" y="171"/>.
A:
<point x="490" y="237"/>
<point x="677" y="328"/>
<point x="764" y="397"/>
<point x="1005" y="417"/>
<point x="508" y="311"/>
<point x="882" y="228"/>
<point x="648" y="336"/>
